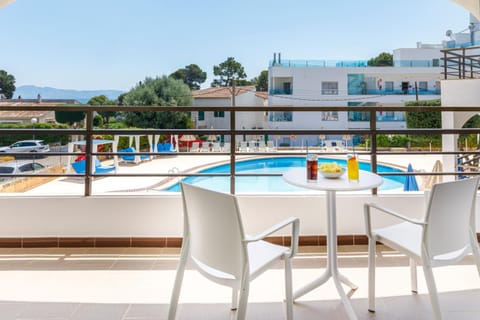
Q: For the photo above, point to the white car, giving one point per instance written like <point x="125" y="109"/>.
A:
<point x="17" y="167"/>
<point x="27" y="146"/>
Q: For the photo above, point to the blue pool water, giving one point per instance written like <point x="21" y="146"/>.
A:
<point x="273" y="184"/>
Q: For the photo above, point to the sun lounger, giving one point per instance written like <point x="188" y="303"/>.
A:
<point x="195" y="146"/>
<point x="205" y="147"/>
<point x="226" y="147"/>
<point x="271" y="146"/>
<point x="165" y="147"/>
<point x="79" y="167"/>
<point x="243" y="146"/>
<point x="132" y="157"/>
<point x="216" y="147"/>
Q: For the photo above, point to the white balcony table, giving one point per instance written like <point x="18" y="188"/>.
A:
<point x="368" y="180"/>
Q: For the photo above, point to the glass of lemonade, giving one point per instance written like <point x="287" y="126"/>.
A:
<point x="352" y="168"/>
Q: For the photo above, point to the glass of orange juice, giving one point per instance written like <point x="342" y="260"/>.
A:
<point x="352" y="168"/>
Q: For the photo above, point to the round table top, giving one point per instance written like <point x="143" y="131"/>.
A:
<point x="298" y="177"/>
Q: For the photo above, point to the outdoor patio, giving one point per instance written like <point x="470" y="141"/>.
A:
<point x="135" y="284"/>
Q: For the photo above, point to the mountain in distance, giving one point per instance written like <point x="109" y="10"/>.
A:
<point x="31" y="92"/>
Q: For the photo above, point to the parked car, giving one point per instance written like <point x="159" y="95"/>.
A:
<point x="16" y="167"/>
<point x="27" y="146"/>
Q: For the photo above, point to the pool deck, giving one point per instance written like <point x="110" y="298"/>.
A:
<point x="191" y="163"/>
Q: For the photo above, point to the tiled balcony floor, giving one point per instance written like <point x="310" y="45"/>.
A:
<point x="135" y="284"/>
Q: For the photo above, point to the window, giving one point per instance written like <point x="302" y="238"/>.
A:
<point x="219" y="114"/>
<point x="287" y="88"/>
<point x="330" y="116"/>
<point x="388" y="85"/>
<point x="201" y="115"/>
<point x="436" y="62"/>
<point x="280" y="116"/>
<point x="330" y="88"/>
<point x="358" y="116"/>
<point x="423" y="85"/>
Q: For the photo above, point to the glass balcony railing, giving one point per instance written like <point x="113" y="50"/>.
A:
<point x="280" y="91"/>
<point x="409" y="91"/>
<point x="351" y="63"/>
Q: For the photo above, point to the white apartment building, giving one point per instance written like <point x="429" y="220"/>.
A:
<point x="222" y="96"/>
<point x="416" y="74"/>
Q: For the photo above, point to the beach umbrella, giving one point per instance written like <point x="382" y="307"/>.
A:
<point x="410" y="181"/>
<point x="437" y="167"/>
<point x="187" y="138"/>
<point x="211" y="137"/>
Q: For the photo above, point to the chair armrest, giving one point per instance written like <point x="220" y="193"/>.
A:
<point x="368" y="223"/>
<point x="295" y="222"/>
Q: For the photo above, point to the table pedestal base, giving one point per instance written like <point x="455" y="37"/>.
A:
<point x="332" y="266"/>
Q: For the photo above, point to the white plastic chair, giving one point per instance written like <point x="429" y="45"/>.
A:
<point x="215" y="243"/>
<point x="226" y="147"/>
<point x="445" y="235"/>
<point x="216" y="147"/>
<point x="195" y="147"/>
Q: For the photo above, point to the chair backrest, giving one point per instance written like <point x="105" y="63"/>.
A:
<point x="195" y="146"/>
<point x="79" y="166"/>
<point x="226" y="147"/>
<point x="450" y="216"/>
<point x="213" y="227"/>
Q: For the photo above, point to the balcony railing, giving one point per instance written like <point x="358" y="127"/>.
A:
<point x="351" y="63"/>
<point x="89" y="132"/>
<point x="461" y="63"/>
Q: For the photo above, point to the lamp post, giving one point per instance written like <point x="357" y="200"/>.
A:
<point x="33" y="121"/>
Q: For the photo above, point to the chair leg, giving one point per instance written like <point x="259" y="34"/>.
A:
<point x="288" y="288"/>
<point x="234" y="299"/>
<point x="178" y="283"/>
<point x="371" y="274"/>
<point x="475" y="250"/>
<point x="413" y="275"/>
<point x="242" y="304"/>
<point x="432" y="290"/>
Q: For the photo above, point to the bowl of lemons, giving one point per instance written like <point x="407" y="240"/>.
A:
<point x="331" y="170"/>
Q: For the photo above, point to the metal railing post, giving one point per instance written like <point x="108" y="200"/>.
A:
<point x="88" y="150"/>
<point x="233" y="141"/>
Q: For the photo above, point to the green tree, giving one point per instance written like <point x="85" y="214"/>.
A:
<point x="261" y="82"/>
<point x="384" y="59"/>
<point x="424" y="119"/>
<point x="102" y="100"/>
<point x="71" y="118"/>
<point x="121" y="99"/>
<point x="192" y="75"/>
<point x="7" y="84"/>
<point x="161" y="91"/>
<point x="227" y="71"/>
<point x="427" y="119"/>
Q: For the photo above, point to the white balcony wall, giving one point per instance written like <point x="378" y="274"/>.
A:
<point x="461" y="93"/>
<point x="161" y="216"/>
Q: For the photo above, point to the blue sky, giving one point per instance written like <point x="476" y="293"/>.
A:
<point x="113" y="44"/>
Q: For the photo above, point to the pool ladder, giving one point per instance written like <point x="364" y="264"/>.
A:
<point x="175" y="170"/>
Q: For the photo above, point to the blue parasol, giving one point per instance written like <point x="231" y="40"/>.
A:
<point x="410" y="181"/>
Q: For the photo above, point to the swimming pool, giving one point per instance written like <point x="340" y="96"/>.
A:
<point x="258" y="184"/>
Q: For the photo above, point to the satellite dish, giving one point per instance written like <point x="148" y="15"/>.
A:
<point x="449" y="33"/>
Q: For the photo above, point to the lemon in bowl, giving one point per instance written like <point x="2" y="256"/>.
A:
<point x="331" y="170"/>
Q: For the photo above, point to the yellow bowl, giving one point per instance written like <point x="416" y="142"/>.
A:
<point x="332" y="175"/>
